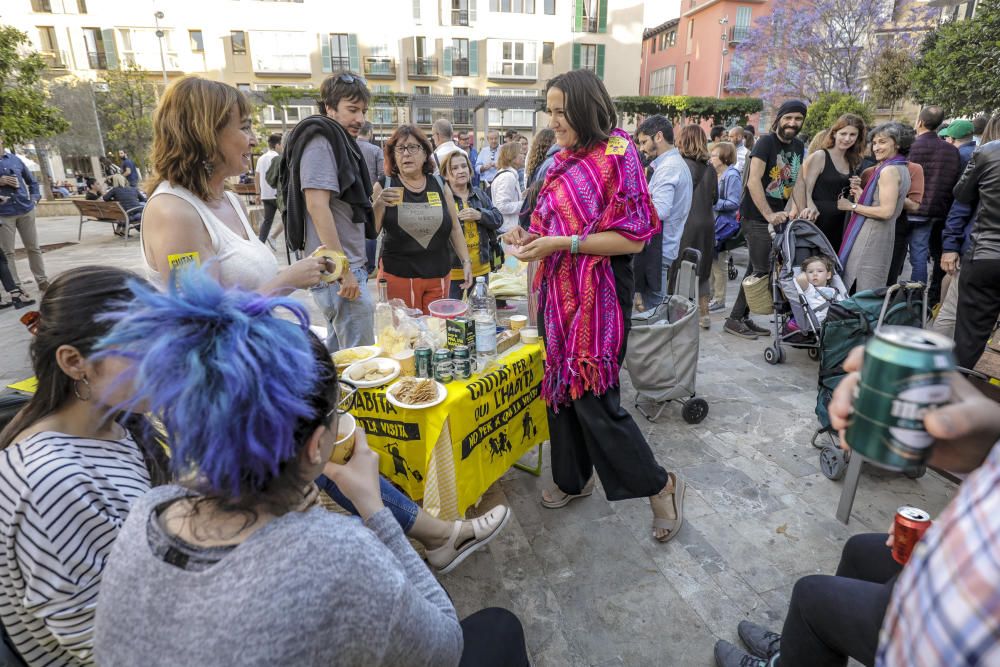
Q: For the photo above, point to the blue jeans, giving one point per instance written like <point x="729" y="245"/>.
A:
<point x="348" y="323"/>
<point x="404" y="509"/>
<point x="920" y="247"/>
<point x="652" y="298"/>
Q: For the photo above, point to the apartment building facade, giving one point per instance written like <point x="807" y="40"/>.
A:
<point x="498" y="52"/>
<point x="693" y="54"/>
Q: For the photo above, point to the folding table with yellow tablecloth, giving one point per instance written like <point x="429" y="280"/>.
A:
<point x="449" y="454"/>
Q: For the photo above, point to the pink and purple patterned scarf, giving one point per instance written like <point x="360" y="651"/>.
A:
<point x="585" y="192"/>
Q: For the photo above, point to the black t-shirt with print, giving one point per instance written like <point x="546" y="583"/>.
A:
<point x="782" y="166"/>
<point x="417" y="232"/>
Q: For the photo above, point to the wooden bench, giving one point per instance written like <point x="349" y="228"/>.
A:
<point x="104" y="211"/>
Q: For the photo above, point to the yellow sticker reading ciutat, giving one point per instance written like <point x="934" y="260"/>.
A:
<point x="434" y="199"/>
<point x="616" y="146"/>
<point x="183" y="259"/>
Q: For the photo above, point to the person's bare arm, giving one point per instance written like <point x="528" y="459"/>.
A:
<point x="803" y="192"/>
<point x="602" y="243"/>
<point x="171" y="226"/>
<point x="457" y="237"/>
<point x="318" y="206"/>
<point x="888" y="188"/>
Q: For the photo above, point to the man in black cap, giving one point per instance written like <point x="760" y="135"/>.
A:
<point x="773" y="171"/>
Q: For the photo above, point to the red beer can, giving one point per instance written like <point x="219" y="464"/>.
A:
<point x="910" y="525"/>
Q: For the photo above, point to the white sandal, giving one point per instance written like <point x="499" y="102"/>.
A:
<point x="446" y="558"/>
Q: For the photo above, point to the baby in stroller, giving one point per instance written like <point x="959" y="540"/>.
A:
<point x="814" y="281"/>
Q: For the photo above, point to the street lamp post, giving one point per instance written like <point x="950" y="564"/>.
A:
<point x="159" y="36"/>
<point x="722" y="63"/>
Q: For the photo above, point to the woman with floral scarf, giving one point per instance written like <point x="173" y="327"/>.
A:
<point x="593" y="213"/>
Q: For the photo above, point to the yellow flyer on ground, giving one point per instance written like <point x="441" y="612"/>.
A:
<point x="449" y="455"/>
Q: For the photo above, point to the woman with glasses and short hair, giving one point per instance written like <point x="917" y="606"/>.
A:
<point x="418" y="213"/>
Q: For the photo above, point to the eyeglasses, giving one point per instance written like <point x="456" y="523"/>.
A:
<point x="345" y="403"/>
<point x="30" y="320"/>
<point x="351" y="78"/>
<point x="409" y="149"/>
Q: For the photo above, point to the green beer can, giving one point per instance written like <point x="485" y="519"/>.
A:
<point x="905" y="375"/>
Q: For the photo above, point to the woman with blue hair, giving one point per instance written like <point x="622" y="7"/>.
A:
<point x="236" y="564"/>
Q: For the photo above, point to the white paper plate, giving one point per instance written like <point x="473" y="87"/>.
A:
<point x="441" y="395"/>
<point x="383" y="363"/>
<point x="371" y="351"/>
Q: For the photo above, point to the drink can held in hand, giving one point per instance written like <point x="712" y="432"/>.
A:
<point x="422" y="361"/>
<point x="905" y="376"/>
<point x="910" y="525"/>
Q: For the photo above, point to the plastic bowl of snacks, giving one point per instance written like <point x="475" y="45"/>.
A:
<point x="416" y="393"/>
<point x="372" y="373"/>
<point x="352" y="355"/>
<point x="448" y="309"/>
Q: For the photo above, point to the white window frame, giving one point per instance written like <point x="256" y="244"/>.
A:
<point x="503" y="60"/>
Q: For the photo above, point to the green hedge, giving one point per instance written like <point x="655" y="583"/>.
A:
<point x="676" y="106"/>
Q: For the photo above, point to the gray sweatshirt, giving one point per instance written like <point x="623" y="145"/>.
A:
<point x="309" y="588"/>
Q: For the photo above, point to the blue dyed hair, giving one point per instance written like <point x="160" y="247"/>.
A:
<point x="237" y="388"/>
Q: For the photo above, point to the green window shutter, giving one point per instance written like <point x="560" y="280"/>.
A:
<point x="324" y="50"/>
<point x="352" y="50"/>
<point x="472" y="10"/>
<point x="110" y="52"/>
<point x="600" y="61"/>
<point x="473" y="58"/>
<point x="576" y="56"/>
<point x="578" y="13"/>
<point x="447" y="60"/>
<point x="602" y="15"/>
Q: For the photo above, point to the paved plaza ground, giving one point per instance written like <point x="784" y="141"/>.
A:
<point x="589" y="582"/>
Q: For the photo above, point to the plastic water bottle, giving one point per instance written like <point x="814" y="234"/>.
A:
<point x="484" y="314"/>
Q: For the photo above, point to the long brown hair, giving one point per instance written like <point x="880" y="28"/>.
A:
<point x="70" y="314"/>
<point x="539" y="149"/>
<point x="186" y="128"/>
<point x="692" y="144"/>
<point x="992" y="131"/>
<point x="589" y="108"/>
<point x="855" y="152"/>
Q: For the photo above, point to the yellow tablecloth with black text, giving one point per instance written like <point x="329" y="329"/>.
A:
<point x="448" y="455"/>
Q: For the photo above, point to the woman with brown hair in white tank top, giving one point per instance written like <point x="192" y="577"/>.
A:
<point x="201" y="136"/>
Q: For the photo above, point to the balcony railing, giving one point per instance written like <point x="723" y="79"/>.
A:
<point x="590" y="24"/>
<point x="422" y="68"/>
<point x="338" y="63"/>
<point x="739" y="33"/>
<point x="460" y="17"/>
<point x="516" y="70"/>
<point x="97" y="59"/>
<point x="380" y="68"/>
<point x="736" y="81"/>
<point x="460" y="67"/>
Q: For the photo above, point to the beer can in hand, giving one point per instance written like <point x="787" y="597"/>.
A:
<point x="909" y="526"/>
<point x="905" y="375"/>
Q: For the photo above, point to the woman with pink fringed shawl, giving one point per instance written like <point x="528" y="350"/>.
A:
<point x="593" y="213"/>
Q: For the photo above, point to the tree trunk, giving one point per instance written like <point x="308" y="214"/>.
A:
<point x="43" y="165"/>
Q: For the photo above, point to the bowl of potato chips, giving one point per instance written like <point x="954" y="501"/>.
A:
<point x="352" y="355"/>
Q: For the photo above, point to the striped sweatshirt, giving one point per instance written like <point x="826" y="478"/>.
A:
<point x="63" y="500"/>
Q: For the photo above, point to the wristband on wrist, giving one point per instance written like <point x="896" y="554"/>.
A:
<point x="574" y="244"/>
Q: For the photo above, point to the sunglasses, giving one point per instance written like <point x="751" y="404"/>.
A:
<point x="351" y="78"/>
<point x="345" y="403"/>
<point x="845" y="193"/>
<point x="30" y="321"/>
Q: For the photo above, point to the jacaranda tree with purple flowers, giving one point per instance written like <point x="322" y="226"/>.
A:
<point x="807" y="47"/>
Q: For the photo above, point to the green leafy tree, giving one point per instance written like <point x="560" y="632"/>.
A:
<point x="889" y="78"/>
<point x="677" y="107"/>
<point x="959" y="63"/>
<point x="25" y="112"/>
<point x="126" y="107"/>
<point x="281" y="97"/>
<point x="828" y="107"/>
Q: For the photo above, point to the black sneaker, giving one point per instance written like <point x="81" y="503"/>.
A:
<point x="20" y="300"/>
<point x="739" y="328"/>
<point x="762" y="642"/>
<point x="727" y="655"/>
<point x="756" y="328"/>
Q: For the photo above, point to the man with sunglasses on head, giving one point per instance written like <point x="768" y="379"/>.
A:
<point x="329" y="204"/>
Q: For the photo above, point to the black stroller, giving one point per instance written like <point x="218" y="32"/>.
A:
<point x="794" y="242"/>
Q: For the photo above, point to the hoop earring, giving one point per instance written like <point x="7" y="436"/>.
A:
<point x="76" y="389"/>
<point x="209" y="167"/>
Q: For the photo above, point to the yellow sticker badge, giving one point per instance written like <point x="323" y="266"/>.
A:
<point x="616" y="146"/>
<point x="184" y="259"/>
<point x="434" y="199"/>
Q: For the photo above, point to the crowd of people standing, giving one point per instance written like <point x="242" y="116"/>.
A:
<point x="207" y="530"/>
